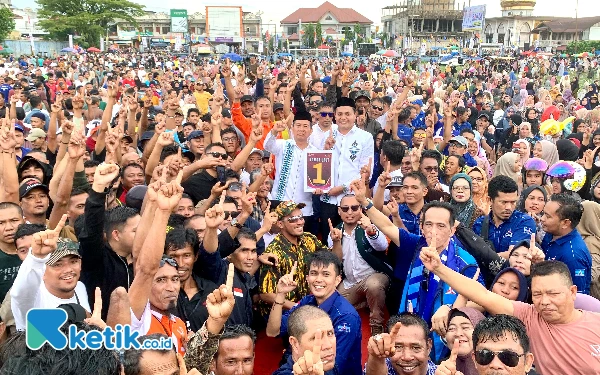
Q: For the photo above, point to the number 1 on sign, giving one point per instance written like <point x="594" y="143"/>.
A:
<point x="319" y="178"/>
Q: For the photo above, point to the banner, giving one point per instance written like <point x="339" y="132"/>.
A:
<point x="318" y="171"/>
<point x="179" y="21"/>
<point x="474" y="18"/>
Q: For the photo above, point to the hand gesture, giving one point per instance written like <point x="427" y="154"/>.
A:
<point x="55" y="108"/>
<point x="96" y="318"/>
<point x="221" y="301"/>
<point x="286" y="283"/>
<point x="260" y="70"/>
<point x="105" y="175"/>
<point x="248" y="200"/>
<point x="77" y="102"/>
<point x="335" y="233"/>
<point x="365" y="223"/>
<point x="266" y="171"/>
<point x="360" y="190"/>
<point x="154" y="188"/>
<point x="256" y="121"/>
<point x="170" y="193"/>
<point x="385" y="178"/>
<point x="365" y="171"/>
<point x="384" y="345"/>
<point x="439" y="320"/>
<point x="215" y="215"/>
<point x="429" y="254"/>
<point x="46" y="242"/>
<point x="133" y="105"/>
<point x="160" y="127"/>
<point x="67" y="127"/>
<point x="76" y="146"/>
<point x="448" y="367"/>
<point x="310" y="363"/>
<point x="147" y="102"/>
<point x="535" y="253"/>
<point x="392" y="206"/>
<point x="111" y="91"/>
<point x="256" y="135"/>
<point x="165" y="139"/>
<point x="330" y="141"/>
<point x="8" y="142"/>
<point x="278" y="126"/>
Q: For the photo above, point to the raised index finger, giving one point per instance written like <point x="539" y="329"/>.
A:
<point x="395" y="331"/>
<point x="97" y="304"/>
<point x="532" y="243"/>
<point x="61" y="223"/>
<point x="222" y="200"/>
<point x="454" y="352"/>
<point x="330" y="225"/>
<point x="293" y="271"/>
<point x="229" y="282"/>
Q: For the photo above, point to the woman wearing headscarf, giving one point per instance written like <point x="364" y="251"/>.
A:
<point x="594" y="194"/>
<point x="461" y="323"/>
<point x="461" y="190"/>
<point x="479" y="189"/>
<point x="589" y="228"/>
<point x="567" y="150"/>
<point x="546" y="150"/>
<point x="509" y="165"/>
<point x="524" y="150"/>
<point x="532" y="201"/>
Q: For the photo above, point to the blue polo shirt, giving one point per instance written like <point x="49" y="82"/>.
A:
<point x="469" y="160"/>
<point x="572" y="251"/>
<point x="405" y="133"/>
<point x="457" y="128"/>
<point x="517" y="228"/>
<point x="346" y="324"/>
<point x="410" y="220"/>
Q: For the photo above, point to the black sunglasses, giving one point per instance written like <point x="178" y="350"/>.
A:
<point x="233" y="214"/>
<point x="315" y="102"/>
<point x="170" y="261"/>
<point x="327" y="114"/>
<point x="377" y="108"/>
<point x="346" y="208"/>
<point x="508" y="357"/>
<point x="218" y="155"/>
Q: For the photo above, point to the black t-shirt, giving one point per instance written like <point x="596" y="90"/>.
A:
<point x="199" y="185"/>
<point x="193" y="311"/>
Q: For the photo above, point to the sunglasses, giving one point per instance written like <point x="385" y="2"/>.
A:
<point x="218" y="155"/>
<point x="235" y="186"/>
<point x="170" y="261"/>
<point x="327" y="114"/>
<point x="346" y="208"/>
<point x="232" y="214"/>
<point x="295" y="219"/>
<point x="377" y="108"/>
<point x="508" y="357"/>
<point x="315" y="102"/>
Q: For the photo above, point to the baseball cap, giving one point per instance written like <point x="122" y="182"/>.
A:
<point x="19" y="128"/>
<point x="34" y="134"/>
<point x="225" y="113"/>
<point x="135" y="196"/>
<point x="247" y="98"/>
<point x="178" y="112"/>
<point x="195" y="134"/>
<point x="460" y="139"/>
<point x="286" y="208"/>
<point x="64" y="247"/>
<point x="277" y="106"/>
<point x="29" y="184"/>
<point x="396" y="181"/>
<point x="362" y="94"/>
<point x="147" y="135"/>
<point x="484" y="114"/>
<point x="257" y="151"/>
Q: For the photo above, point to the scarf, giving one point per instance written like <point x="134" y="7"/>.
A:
<point x="505" y="166"/>
<point x="464" y="210"/>
<point x="549" y="152"/>
<point x="525" y="193"/>
<point x="465" y="363"/>
<point x="589" y="228"/>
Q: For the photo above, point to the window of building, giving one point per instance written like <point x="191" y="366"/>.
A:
<point x="157" y="29"/>
<point x="328" y="18"/>
<point x="166" y="29"/>
<point x="292" y="30"/>
<point x="568" y="36"/>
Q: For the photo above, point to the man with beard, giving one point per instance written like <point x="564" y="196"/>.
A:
<point x="49" y="276"/>
<point x="313" y="344"/>
<point x="404" y="350"/>
<point x="155" y="287"/>
<point x="323" y="278"/>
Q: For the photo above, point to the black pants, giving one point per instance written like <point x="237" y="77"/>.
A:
<point x="328" y="211"/>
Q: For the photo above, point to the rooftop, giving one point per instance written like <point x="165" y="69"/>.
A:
<point x="313" y="15"/>
<point x="567" y="25"/>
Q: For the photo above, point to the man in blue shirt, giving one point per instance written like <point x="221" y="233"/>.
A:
<point x="462" y="115"/>
<point x="405" y="131"/>
<point x="5" y="87"/>
<point x="415" y="189"/>
<point x="562" y="240"/>
<point x="506" y="226"/>
<point x="323" y="277"/>
<point x="458" y="146"/>
<point x="423" y="293"/>
<point x="418" y="122"/>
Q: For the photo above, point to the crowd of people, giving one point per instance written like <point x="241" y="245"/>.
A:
<point x="169" y="194"/>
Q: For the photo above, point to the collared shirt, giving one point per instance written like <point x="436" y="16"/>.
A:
<point x="318" y="136"/>
<point x="410" y="220"/>
<point x="288" y="253"/>
<point x="431" y="367"/>
<point x="457" y="128"/>
<point x="517" y="228"/>
<point x="350" y="153"/>
<point x="572" y="251"/>
<point x="405" y="133"/>
<point x="356" y="268"/>
<point x="346" y="325"/>
<point x="193" y="311"/>
<point x="289" y="167"/>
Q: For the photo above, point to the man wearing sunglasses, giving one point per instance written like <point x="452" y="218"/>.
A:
<point x="199" y="185"/>
<point x="564" y="338"/>
<point x="320" y="130"/>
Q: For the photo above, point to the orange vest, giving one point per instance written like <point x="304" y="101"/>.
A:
<point x="174" y="328"/>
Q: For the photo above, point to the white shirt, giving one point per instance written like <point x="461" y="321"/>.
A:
<point x="356" y="269"/>
<point x="29" y="291"/>
<point x="350" y="153"/>
<point x="318" y="136"/>
<point x="396" y="176"/>
<point x="289" y="175"/>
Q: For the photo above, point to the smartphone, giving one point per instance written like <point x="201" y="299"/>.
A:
<point x="221" y="174"/>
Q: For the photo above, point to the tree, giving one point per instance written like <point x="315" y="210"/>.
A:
<point x="88" y="19"/>
<point x="7" y="22"/>
<point x="308" y="39"/>
<point x="583" y="46"/>
<point x="318" y="34"/>
<point x="358" y="33"/>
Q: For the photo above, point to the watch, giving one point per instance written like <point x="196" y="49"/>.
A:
<point x="368" y="206"/>
<point x="235" y="223"/>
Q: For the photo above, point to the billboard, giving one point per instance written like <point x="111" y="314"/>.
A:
<point x="179" y="21"/>
<point x="224" y="21"/>
<point x="473" y="18"/>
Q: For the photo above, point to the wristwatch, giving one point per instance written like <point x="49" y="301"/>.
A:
<point x="368" y="206"/>
<point x="235" y="223"/>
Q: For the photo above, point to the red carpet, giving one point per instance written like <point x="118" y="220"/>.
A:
<point x="269" y="350"/>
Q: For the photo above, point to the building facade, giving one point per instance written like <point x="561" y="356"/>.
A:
<point x="556" y="34"/>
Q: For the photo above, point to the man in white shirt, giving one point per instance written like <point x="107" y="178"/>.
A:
<point x="290" y="157"/>
<point x="361" y="248"/>
<point x="321" y="130"/>
<point x="49" y="276"/>
<point x="352" y="155"/>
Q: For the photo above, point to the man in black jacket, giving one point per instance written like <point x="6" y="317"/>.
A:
<point x="106" y="263"/>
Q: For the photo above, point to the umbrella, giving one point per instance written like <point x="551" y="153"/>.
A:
<point x="232" y="56"/>
<point x="391" y="53"/>
<point x="380" y="52"/>
<point x="68" y="49"/>
<point x="93" y="49"/>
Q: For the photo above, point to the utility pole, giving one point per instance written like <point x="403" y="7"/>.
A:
<point x="576" y="20"/>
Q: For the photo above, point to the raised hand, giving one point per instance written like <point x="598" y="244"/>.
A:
<point x="248" y="200"/>
<point x="45" y="242"/>
<point x="165" y="139"/>
<point x="105" y="174"/>
<point x="221" y="301"/>
<point x="76" y="146"/>
<point x="392" y="206"/>
<point x="448" y="367"/>
<point x="310" y="363"/>
<point x="96" y="318"/>
<point x="170" y="193"/>
<point x="360" y="191"/>
<point x="385" y="178"/>
<point x="535" y="253"/>
<point x="256" y="134"/>
<point x="365" y="171"/>
<point x="429" y="254"/>
<point x="335" y="233"/>
<point x="215" y="215"/>
<point x="330" y="141"/>
<point x="383" y="345"/>
<point x="286" y="283"/>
